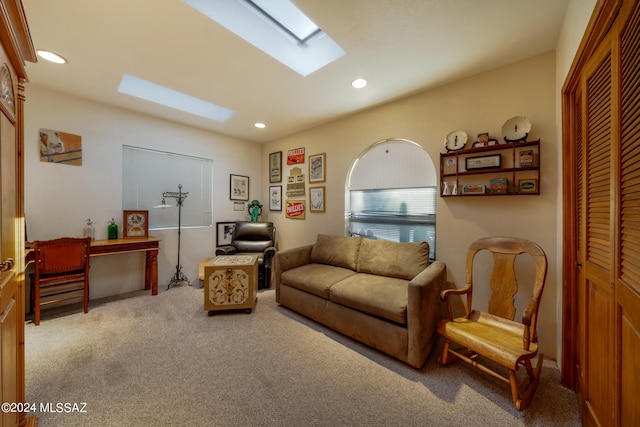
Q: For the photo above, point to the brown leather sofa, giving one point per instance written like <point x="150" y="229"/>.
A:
<point x="383" y="294"/>
<point x="256" y="238"/>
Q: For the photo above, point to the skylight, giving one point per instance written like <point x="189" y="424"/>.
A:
<point x="278" y="28"/>
<point x="152" y="92"/>
<point x="286" y="15"/>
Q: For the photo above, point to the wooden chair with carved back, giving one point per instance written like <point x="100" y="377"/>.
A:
<point x="61" y="272"/>
<point x="494" y="334"/>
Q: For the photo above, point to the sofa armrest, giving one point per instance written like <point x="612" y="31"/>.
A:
<point x="225" y="250"/>
<point x="292" y="258"/>
<point x="289" y="259"/>
<point x="424" y="311"/>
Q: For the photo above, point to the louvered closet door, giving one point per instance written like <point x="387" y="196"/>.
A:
<point x="581" y="294"/>
<point x="627" y="283"/>
<point x="596" y="274"/>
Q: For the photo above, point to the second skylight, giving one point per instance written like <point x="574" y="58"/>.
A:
<point x="278" y="28"/>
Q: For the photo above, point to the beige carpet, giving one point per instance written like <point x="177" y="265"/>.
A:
<point x="161" y="361"/>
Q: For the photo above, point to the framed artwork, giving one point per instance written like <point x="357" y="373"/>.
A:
<point x="60" y="147"/>
<point x="316" y="199"/>
<point x="483" y="162"/>
<point x="295" y="156"/>
<point x="275" y="167"/>
<point x="317" y="166"/>
<point x="275" y="197"/>
<point x="527" y="186"/>
<point x="239" y="187"/>
<point x="224" y="232"/>
<point x="295" y="209"/>
<point x="136" y="224"/>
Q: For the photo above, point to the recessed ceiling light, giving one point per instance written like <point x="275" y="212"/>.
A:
<point x="51" y="57"/>
<point x="359" y="83"/>
<point x="260" y="125"/>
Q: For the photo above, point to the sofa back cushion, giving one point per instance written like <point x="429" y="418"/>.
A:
<point x="392" y="259"/>
<point x="340" y="251"/>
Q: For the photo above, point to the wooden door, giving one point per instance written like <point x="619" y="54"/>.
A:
<point x="602" y="143"/>
<point x="596" y="266"/>
<point x="627" y="265"/>
<point x="16" y="47"/>
<point x="9" y="286"/>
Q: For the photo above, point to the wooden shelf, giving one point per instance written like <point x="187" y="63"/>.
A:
<point x="454" y="172"/>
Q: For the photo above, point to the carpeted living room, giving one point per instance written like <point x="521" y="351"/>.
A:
<point x="435" y="130"/>
<point x="161" y="360"/>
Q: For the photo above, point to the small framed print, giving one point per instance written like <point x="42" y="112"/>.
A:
<point x="239" y="187"/>
<point x="483" y="162"/>
<point x="527" y="186"/>
<point x="473" y="189"/>
<point x="275" y="197"/>
<point x="450" y="165"/>
<point x="275" y="167"/>
<point x="317" y="167"/>
<point x="316" y="199"/>
<point x="295" y="209"/>
<point x="295" y="156"/>
<point x="224" y="233"/>
<point x="136" y="224"/>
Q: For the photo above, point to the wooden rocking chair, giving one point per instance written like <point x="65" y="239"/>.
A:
<point x="494" y="334"/>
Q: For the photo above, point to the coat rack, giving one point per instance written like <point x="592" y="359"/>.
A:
<point x="179" y="195"/>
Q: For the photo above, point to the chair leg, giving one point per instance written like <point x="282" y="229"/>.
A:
<point x="445" y="353"/>
<point x="86" y="296"/>
<point x="533" y="378"/>
<point x="36" y="304"/>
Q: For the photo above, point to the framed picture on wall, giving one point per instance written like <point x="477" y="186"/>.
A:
<point x="239" y="187"/>
<point x="317" y="164"/>
<point x="295" y="156"/>
<point x="275" y="167"/>
<point x="316" y="199"/>
<point x="275" y="197"/>
<point x="224" y="232"/>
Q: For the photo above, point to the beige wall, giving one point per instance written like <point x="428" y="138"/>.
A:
<point x="478" y="104"/>
<point x="59" y="198"/>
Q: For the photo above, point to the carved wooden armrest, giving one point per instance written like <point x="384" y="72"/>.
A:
<point x="444" y="296"/>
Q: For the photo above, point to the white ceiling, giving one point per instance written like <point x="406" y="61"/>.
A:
<point x="400" y="46"/>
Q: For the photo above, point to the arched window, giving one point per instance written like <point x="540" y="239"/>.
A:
<point x="392" y="193"/>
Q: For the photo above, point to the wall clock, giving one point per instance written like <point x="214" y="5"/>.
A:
<point x="6" y="87"/>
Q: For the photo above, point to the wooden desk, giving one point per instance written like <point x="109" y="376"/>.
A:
<point x="150" y="245"/>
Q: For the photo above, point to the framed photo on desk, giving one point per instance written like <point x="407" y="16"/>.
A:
<point x="135" y="224"/>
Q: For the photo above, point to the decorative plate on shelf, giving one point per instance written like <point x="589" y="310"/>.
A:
<point x="516" y="129"/>
<point x="456" y="140"/>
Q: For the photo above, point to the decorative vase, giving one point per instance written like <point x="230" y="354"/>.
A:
<point x="112" y="229"/>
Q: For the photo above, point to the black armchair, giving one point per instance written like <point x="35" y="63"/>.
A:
<point x="258" y="238"/>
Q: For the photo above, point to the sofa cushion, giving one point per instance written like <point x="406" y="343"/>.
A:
<point x="340" y="251"/>
<point x="393" y="259"/>
<point x="380" y="296"/>
<point x="315" y="278"/>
